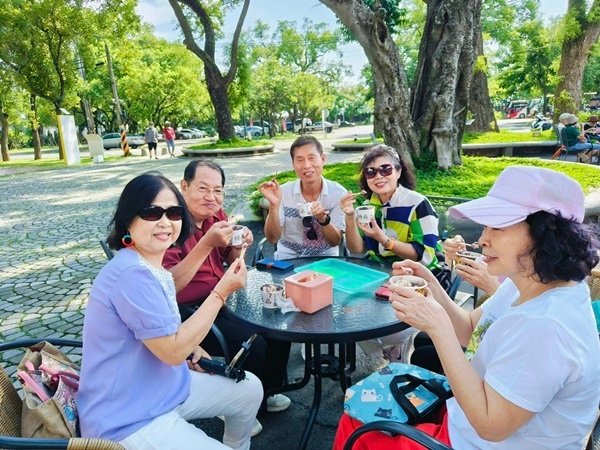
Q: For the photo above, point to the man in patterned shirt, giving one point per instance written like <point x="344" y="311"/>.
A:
<point x="318" y="229"/>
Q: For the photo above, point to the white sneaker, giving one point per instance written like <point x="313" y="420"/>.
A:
<point x="256" y="428"/>
<point x="278" y="403"/>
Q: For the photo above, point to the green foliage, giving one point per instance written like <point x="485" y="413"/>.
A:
<point x="164" y="84"/>
<point x="471" y="180"/>
<point x="527" y="69"/>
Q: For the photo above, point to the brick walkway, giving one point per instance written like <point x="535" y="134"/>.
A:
<point x="50" y="226"/>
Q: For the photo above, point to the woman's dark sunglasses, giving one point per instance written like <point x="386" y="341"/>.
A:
<point x="384" y="170"/>
<point x="311" y="234"/>
<point x="154" y="213"/>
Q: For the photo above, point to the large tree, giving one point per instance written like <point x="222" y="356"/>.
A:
<point x="581" y="31"/>
<point x="201" y="20"/>
<point x="39" y="41"/>
<point x="429" y="118"/>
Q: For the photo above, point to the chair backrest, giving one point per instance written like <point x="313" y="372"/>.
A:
<point x="396" y="428"/>
<point x="594" y="283"/>
<point x="107" y="250"/>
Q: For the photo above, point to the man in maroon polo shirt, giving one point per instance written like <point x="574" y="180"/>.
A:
<point x="197" y="266"/>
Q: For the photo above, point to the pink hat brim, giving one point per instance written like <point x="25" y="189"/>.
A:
<point x="491" y="211"/>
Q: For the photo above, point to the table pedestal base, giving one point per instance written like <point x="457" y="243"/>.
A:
<point x="319" y="366"/>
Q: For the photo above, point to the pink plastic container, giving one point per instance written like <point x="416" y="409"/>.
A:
<point x="310" y="291"/>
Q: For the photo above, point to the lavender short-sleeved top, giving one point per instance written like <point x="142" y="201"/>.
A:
<point x="123" y="385"/>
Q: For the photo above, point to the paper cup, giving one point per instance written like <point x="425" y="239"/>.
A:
<point x="365" y="213"/>
<point x="304" y="209"/>
<point x="410" y="281"/>
<point x="472" y="256"/>
<point x="271" y="294"/>
<point x="238" y="235"/>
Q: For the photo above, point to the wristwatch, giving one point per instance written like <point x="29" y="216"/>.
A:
<point x="327" y="220"/>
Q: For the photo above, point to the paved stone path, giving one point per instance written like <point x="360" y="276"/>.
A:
<point x="51" y="224"/>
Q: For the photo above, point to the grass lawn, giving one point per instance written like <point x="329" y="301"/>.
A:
<point x="471" y="180"/>
<point x="22" y="165"/>
<point x="508" y="136"/>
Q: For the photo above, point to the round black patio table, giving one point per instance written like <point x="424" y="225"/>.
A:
<point x="353" y="316"/>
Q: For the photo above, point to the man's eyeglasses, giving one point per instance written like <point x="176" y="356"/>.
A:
<point x="154" y="213"/>
<point x="311" y="234"/>
<point x="204" y="191"/>
<point x="384" y="170"/>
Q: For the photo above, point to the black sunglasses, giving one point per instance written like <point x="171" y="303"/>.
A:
<point x="154" y="213"/>
<point x="311" y="234"/>
<point x="384" y="170"/>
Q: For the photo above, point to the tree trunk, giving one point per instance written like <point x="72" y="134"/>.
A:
<point x="480" y="104"/>
<point x="391" y="113"/>
<point x="61" y="144"/>
<point x="574" y="56"/>
<point x="4" y="137"/>
<point x="433" y="118"/>
<point x="440" y="97"/>
<point x="37" y="146"/>
<point x="217" y="89"/>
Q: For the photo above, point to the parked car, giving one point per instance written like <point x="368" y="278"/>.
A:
<point x="188" y="133"/>
<point x="254" y="130"/>
<point x="199" y="133"/>
<point x="113" y="140"/>
<point x="345" y="123"/>
<point x="320" y="125"/>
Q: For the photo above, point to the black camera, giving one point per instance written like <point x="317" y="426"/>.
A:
<point x="232" y="370"/>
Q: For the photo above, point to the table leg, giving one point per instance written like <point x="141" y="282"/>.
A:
<point x="347" y="358"/>
<point x="314" y="410"/>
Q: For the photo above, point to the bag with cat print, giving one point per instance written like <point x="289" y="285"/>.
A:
<point x="399" y="392"/>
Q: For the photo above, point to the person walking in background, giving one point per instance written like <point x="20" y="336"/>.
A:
<point x="151" y="138"/>
<point x="137" y="386"/>
<point x="304" y="217"/>
<point x="169" y="135"/>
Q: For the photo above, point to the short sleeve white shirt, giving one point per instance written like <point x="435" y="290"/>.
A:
<point x="294" y="241"/>
<point x="543" y="357"/>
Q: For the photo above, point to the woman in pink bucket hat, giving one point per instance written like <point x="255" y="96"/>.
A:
<point x="530" y="375"/>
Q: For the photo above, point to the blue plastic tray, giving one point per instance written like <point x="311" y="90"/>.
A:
<point x="347" y="277"/>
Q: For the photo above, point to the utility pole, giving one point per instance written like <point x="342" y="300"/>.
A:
<point x="113" y="83"/>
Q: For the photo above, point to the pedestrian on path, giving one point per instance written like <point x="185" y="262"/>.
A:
<point x="151" y="138"/>
<point x="169" y="135"/>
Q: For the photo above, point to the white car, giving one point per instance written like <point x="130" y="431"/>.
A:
<point x="253" y="130"/>
<point x="113" y="140"/>
<point x="189" y="133"/>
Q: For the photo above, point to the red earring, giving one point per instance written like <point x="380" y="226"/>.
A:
<point x="127" y="241"/>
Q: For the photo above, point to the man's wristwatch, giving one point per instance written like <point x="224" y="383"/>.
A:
<point x="327" y="220"/>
